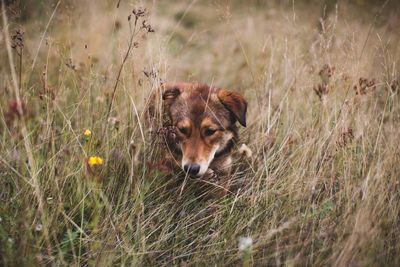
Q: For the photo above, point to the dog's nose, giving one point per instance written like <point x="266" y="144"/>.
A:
<point x="192" y="169"/>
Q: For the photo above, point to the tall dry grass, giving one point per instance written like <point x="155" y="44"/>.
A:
<point x="321" y="186"/>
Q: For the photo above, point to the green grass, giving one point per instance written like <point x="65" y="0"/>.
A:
<point x="320" y="188"/>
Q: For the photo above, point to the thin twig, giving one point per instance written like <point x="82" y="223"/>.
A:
<point x="128" y="51"/>
<point x="44" y="33"/>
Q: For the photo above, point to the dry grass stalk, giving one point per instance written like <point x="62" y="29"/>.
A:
<point x="318" y="182"/>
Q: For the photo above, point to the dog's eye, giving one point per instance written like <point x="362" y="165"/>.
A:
<point x="183" y="130"/>
<point x="209" y="132"/>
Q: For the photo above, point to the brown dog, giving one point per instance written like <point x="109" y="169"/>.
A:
<point x="204" y="122"/>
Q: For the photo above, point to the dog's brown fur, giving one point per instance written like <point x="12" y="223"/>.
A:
<point x="204" y="122"/>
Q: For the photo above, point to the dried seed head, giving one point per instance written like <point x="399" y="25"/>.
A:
<point x="147" y="27"/>
<point x="151" y="74"/>
<point x="18" y="41"/>
<point x="117" y="25"/>
<point x="326" y="73"/>
<point x="139" y="12"/>
<point x="321" y="90"/>
<point x="345" y="137"/>
<point x="114" y="122"/>
<point x="364" y="86"/>
<point x="244" y="150"/>
<point x="394" y="86"/>
<point x="70" y="65"/>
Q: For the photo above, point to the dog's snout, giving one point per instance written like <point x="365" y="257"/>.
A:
<point x="192" y="169"/>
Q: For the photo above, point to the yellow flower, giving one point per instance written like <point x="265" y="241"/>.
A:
<point x="94" y="161"/>
<point x="87" y="133"/>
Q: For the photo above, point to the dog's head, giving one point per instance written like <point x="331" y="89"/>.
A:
<point x="204" y="119"/>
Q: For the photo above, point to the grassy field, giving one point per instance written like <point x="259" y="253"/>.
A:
<point x="320" y="187"/>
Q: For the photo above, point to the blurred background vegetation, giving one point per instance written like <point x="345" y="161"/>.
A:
<point x="321" y="187"/>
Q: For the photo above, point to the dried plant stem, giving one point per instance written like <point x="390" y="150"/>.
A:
<point x="33" y="172"/>
<point x="378" y="13"/>
<point x="20" y="67"/>
<point x="128" y="51"/>
<point x="43" y="35"/>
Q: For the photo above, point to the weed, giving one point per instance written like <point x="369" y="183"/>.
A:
<point x="85" y="175"/>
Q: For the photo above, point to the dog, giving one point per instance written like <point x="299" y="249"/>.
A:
<point x="203" y="119"/>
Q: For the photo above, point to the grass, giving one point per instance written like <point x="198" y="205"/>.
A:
<point x="321" y="186"/>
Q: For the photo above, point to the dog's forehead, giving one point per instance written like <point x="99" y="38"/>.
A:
<point x="198" y="104"/>
<point x="198" y="91"/>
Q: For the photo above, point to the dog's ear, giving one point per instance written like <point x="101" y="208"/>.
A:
<point x="170" y="92"/>
<point x="235" y="103"/>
